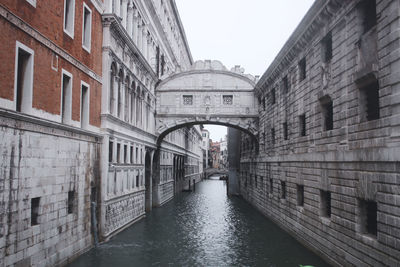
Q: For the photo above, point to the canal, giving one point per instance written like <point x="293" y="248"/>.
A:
<point x="205" y="228"/>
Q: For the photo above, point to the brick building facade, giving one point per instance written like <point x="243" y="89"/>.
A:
<point x="50" y="92"/>
<point x="77" y="114"/>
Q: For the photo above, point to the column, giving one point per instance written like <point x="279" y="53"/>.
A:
<point x="139" y="34"/>
<point x="135" y="26"/>
<point x="117" y="7"/>
<point x="129" y="21"/>
<point x="144" y="41"/>
<point x="124" y="8"/>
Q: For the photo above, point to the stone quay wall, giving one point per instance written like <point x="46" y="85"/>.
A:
<point x="48" y="172"/>
<point x="327" y="168"/>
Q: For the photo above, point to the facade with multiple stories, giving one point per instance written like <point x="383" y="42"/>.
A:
<point x="143" y="41"/>
<point x="50" y="95"/>
<point x="327" y="166"/>
<point x="79" y="151"/>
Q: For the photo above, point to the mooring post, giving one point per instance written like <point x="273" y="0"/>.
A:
<point x="189" y="185"/>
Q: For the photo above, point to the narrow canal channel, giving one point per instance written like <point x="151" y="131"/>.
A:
<point x="205" y="228"/>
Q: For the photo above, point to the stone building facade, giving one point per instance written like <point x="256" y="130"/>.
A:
<point x="326" y="168"/>
<point x="79" y="152"/>
<point x="143" y="42"/>
<point x="50" y="93"/>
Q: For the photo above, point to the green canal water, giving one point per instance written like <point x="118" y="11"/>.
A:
<point x="204" y="228"/>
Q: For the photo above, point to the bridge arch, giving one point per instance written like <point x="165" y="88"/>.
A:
<point x="207" y="93"/>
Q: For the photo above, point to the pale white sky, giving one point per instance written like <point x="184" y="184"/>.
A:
<point x="249" y="33"/>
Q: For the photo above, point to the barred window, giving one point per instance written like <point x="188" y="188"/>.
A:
<point x="188" y="100"/>
<point x="227" y="99"/>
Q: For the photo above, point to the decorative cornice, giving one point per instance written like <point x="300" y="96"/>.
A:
<point x="181" y="30"/>
<point x="318" y="16"/>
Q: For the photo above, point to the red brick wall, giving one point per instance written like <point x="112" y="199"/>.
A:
<point x="47" y="82"/>
<point x="48" y="19"/>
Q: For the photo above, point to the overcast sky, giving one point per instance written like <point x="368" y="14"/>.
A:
<point x="249" y="33"/>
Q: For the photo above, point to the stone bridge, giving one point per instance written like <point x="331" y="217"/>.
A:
<point x="207" y="94"/>
<point x="211" y="171"/>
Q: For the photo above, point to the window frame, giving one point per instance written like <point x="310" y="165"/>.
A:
<point x="84" y="84"/>
<point x="66" y="30"/>
<point x="84" y="46"/>
<point x="25" y="107"/>
<point x="32" y="2"/>
<point x="69" y="100"/>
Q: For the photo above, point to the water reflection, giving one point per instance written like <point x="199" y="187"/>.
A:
<point x="204" y="228"/>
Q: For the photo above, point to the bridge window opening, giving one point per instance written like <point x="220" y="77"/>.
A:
<point x="110" y="151"/>
<point x="300" y="195"/>
<point x="35" y="210"/>
<point x="326" y="48"/>
<point x="325" y="197"/>
<point x="273" y="136"/>
<point x="125" y="153"/>
<point x="327" y="113"/>
<point x="302" y="124"/>
<point x="367" y="10"/>
<point x="285" y="85"/>
<point x="302" y="69"/>
<point x="71" y="201"/>
<point x="368" y="217"/>
<point x="187" y="100"/>
<point x="369" y="102"/>
<point x="283" y="190"/>
<point x="227" y="99"/>
<point x="137" y="155"/>
<point x="137" y="180"/>
<point x="271" y="185"/>
<point x="285" y="131"/>
<point x="118" y="153"/>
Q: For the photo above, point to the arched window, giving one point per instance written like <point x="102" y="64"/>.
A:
<point x="133" y="103"/>
<point x="126" y="104"/>
<point x="138" y="106"/>
<point x="148" y="113"/>
<point x="113" y="73"/>
<point x="120" y="84"/>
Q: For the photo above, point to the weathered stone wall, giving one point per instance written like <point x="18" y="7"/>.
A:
<point x="124" y="210"/>
<point x="166" y="191"/>
<point x="40" y="159"/>
<point x="314" y="180"/>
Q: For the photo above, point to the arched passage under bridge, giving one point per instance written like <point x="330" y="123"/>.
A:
<point x="208" y="93"/>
